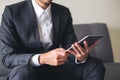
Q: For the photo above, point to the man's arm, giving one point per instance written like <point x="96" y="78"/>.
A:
<point x="69" y="39"/>
<point x="9" y="43"/>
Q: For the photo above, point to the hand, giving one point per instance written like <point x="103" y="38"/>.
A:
<point x="55" y="57"/>
<point x="81" y="53"/>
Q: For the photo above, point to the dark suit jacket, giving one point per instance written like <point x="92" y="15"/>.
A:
<point x="19" y="36"/>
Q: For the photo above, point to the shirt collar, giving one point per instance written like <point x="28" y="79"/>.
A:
<point x="39" y="10"/>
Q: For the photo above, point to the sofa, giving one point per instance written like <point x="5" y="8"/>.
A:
<point x="102" y="51"/>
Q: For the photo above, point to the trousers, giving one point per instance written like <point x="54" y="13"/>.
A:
<point x="92" y="69"/>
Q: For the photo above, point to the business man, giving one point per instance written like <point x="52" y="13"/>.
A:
<point x="31" y="33"/>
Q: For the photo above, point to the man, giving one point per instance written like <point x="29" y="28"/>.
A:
<point x="31" y="33"/>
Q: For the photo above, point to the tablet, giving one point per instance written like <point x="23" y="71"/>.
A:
<point x="91" y="39"/>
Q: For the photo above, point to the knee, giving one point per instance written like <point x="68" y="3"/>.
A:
<point x="100" y="69"/>
<point x="20" y="72"/>
<point x="95" y="64"/>
<point x="94" y="67"/>
<point x="99" y="65"/>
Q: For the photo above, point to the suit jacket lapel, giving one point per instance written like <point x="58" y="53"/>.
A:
<point x="33" y="24"/>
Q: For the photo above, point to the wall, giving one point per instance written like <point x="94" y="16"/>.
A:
<point x="89" y="11"/>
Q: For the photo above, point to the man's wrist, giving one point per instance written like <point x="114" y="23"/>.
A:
<point x="35" y="60"/>
<point x="80" y="62"/>
<point x="40" y="59"/>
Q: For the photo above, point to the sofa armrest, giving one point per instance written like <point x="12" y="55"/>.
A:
<point x="112" y="71"/>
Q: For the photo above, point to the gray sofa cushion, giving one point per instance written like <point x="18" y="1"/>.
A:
<point x="112" y="71"/>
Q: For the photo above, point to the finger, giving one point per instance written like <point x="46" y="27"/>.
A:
<point x="67" y="53"/>
<point x="61" y="62"/>
<point x="61" y="53"/>
<point x="80" y="49"/>
<point x="60" y="49"/>
<point x="71" y="52"/>
<point x="75" y="48"/>
<point x="62" y="58"/>
<point x="86" y="46"/>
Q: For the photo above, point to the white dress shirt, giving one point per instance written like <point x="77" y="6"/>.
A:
<point x="44" y="21"/>
<point x="44" y="27"/>
<point x="44" y="24"/>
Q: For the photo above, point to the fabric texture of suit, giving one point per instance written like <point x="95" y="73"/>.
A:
<point x="19" y="32"/>
<point x="20" y="40"/>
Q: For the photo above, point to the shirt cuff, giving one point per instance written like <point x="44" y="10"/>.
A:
<point x="34" y="60"/>
<point x="80" y="62"/>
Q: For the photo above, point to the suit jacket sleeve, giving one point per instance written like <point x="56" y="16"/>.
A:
<point x="9" y="48"/>
<point x="69" y="35"/>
